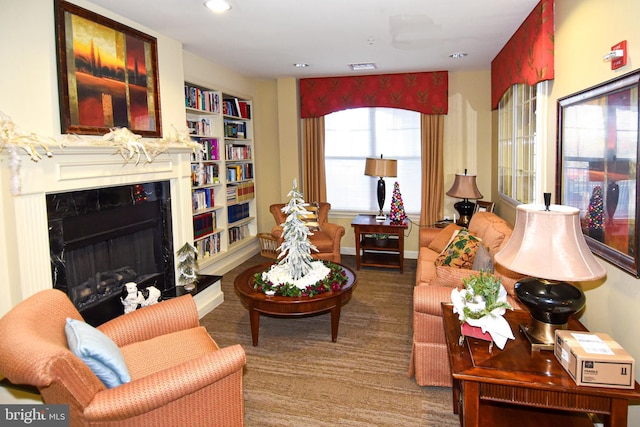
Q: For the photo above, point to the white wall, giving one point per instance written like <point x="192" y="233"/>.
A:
<point x="585" y="31"/>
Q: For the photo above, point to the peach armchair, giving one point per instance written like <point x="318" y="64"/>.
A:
<point x="326" y="240"/>
<point x="179" y="375"/>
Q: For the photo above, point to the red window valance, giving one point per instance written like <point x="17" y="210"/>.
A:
<point x="423" y="92"/>
<point x="528" y="55"/>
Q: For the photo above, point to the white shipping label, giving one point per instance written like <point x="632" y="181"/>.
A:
<point x="592" y="344"/>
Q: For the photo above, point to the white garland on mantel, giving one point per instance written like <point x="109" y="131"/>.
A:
<point x="129" y="145"/>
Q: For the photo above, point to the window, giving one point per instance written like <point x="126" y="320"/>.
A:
<point x="519" y="145"/>
<point x="353" y="135"/>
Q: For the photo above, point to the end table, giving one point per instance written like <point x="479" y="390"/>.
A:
<point x="369" y="254"/>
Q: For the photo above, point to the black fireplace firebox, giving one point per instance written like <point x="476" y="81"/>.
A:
<point x="102" y="238"/>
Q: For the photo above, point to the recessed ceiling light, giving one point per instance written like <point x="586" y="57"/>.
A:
<point x="363" y="66"/>
<point x="300" y="65"/>
<point x="458" y="55"/>
<point x="218" y="6"/>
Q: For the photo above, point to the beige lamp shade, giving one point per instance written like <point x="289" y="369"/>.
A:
<point x="549" y="245"/>
<point x="464" y="187"/>
<point x="381" y="167"/>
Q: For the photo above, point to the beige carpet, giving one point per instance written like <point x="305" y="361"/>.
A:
<point x="297" y="376"/>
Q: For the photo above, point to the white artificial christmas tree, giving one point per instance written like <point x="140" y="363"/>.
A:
<point x="187" y="266"/>
<point x="296" y="248"/>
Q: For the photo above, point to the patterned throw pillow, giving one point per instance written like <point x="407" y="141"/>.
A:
<point x="460" y="252"/>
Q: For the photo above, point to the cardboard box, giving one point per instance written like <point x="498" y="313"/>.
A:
<point x="594" y="359"/>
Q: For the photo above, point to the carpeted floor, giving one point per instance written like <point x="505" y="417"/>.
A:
<point x="297" y="376"/>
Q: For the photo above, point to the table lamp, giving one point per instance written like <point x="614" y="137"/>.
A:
<point x="464" y="187"/>
<point x="381" y="168"/>
<point x="547" y="242"/>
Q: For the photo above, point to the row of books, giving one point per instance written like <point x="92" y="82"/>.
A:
<point x="210" y="150"/>
<point x="204" y="174"/>
<point x="236" y="213"/>
<point x="241" y="172"/>
<point x="202" y="198"/>
<point x="237" y="108"/>
<point x="204" y="224"/>
<point x="199" y="127"/>
<point x="238" y="152"/>
<point x="235" y="129"/>
<point x="240" y="192"/>
<point x="238" y="233"/>
<point x="208" y="246"/>
<point x="200" y="99"/>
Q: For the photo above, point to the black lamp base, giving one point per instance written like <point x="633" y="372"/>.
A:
<point x="381" y="192"/>
<point x="465" y="208"/>
<point x="550" y="304"/>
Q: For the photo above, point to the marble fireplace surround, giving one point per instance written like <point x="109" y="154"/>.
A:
<point x="85" y="167"/>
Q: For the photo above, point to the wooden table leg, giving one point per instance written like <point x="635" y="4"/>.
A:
<point x="471" y="404"/>
<point x="254" y="320"/>
<point x="618" y="416"/>
<point x="335" y="321"/>
<point x="456" y="396"/>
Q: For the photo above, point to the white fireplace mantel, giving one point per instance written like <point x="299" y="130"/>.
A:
<point x="85" y="167"/>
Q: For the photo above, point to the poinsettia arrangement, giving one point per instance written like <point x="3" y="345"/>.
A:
<point x="332" y="282"/>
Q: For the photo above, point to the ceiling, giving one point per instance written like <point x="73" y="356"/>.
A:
<point x="263" y="39"/>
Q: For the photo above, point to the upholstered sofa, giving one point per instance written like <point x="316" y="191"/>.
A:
<point x="429" y="360"/>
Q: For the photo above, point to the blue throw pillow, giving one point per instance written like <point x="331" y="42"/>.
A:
<point x="98" y="351"/>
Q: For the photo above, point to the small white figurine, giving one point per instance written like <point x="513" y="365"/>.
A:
<point x="133" y="298"/>
<point x="154" y="296"/>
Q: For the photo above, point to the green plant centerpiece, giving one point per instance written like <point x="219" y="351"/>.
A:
<point x="482" y="303"/>
<point x="297" y="273"/>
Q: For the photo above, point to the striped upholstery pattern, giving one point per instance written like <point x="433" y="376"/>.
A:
<point x="179" y="375"/>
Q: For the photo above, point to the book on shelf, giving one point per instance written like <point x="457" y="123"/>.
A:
<point x="204" y="224"/>
<point x="208" y="246"/>
<point x="210" y="148"/>
<point x="235" y="129"/>
<point x="239" y="212"/>
<point x="245" y="110"/>
<point x="240" y="192"/>
<point x="238" y="233"/>
<point x="200" y="126"/>
<point x="201" y="99"/>
<point x="204" y="174"/>
<point x="238" y="152"/>
<point x="203" y="198"/>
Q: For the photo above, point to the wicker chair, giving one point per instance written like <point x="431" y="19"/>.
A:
<point x="179" y="376"/>
<point x="326" y="239"/>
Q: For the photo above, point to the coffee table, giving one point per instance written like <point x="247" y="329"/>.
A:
<point x="277" y="306"/>
<point x="516" y="386"/>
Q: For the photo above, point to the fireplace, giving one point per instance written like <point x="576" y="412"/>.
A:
<point x="77" y="168"/>
<point x="102" y="238"/>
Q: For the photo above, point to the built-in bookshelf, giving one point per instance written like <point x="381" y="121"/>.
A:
<point x="223" y="185"/>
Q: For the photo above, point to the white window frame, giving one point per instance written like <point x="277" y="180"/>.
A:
<point x="515" y="115"/>
<point x="368" y="184"/>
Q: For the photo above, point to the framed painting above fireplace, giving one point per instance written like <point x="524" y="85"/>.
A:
<point x="107" y="74"/>
<point x="597" y="170"/>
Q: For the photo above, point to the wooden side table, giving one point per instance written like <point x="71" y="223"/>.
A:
<point x="369" y="254"/>
<point x="517" y="386"/>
